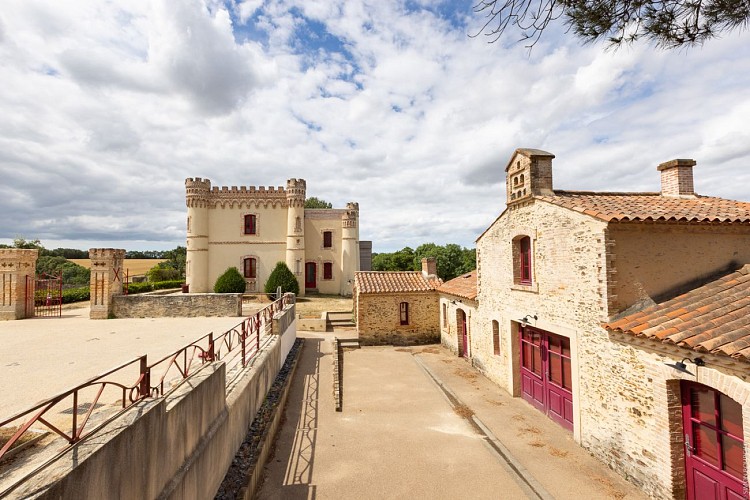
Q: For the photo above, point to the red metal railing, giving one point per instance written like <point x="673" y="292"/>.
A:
<point x="240" y="343"/>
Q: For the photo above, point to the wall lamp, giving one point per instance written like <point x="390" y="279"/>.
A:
<point x="454" y="302"/>
<point x="682" y="367"/>
<point x="526" y="319"/>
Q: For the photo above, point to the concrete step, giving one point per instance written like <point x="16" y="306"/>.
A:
<point x="350" y="343"/>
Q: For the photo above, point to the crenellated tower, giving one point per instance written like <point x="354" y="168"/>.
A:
<point x="197" y="198"/>
<point x="295" y="239"/>
<point x="349" y="247"/>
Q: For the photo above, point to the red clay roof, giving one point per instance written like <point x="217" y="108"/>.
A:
<point x="462" y="286"/>
<point x="394" y="281"/>
<point x="613" y="207"/>
<point x="712" y="318"/>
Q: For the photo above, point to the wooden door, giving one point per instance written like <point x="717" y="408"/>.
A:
<point x="546" y="377"/>
<point x="714" y="444"/>
<point x="311" y="271"/>
<point x="463" y="333"/>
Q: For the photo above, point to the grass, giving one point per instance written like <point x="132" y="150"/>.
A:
<point x="314" y="305"/>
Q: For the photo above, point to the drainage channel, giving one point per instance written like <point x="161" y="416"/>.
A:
<point x="530" y="486"/>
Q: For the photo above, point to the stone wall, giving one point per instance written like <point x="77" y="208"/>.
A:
<point x="449" y="321"/>
<point x="177" y="305"/>
<point x="17" y="282"/>
<point x="378" y="320"/>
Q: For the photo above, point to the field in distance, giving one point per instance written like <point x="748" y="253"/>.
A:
<point x="135" y="267"/>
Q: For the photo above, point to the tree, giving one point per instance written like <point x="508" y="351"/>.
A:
<point x="230" y="282"/>
<point x="282" y="276"/>
<point x="667" y="23"/>
<point x="314" y="202"/>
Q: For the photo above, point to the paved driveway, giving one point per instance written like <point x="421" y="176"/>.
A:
<point x="402" y="435"/>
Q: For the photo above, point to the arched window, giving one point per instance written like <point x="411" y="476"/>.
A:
<point x="404" y="313"/>
<point x="250" y="268"/>
<point x="496" y="337"/>
<point x="250" y="224"/>
<point x="523" y="271"/>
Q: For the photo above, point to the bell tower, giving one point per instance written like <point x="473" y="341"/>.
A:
<point x="528" y="173"/>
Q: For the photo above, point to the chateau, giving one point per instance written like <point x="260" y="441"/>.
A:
<point x="253" y="228"/>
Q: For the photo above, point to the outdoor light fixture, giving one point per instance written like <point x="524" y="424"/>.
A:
<point x="454" y="302"/>
<point x="682" y="367"/>
<point x="525" y="320"/>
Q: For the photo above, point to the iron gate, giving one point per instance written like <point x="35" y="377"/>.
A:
<point x="47" y="295"/>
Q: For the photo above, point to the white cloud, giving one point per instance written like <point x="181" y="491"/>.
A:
<point x="107" y="107"/>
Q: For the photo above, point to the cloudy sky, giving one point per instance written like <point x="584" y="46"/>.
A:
<point x="107" y="106"/>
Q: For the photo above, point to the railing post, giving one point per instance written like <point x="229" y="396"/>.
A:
<point x="210" y="346"/>
<point x="145" y="389"/>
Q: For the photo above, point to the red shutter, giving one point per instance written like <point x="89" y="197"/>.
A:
<point x="327" y="239"/>
<point x="327" y="271"/>
<point x="249" y="224"/>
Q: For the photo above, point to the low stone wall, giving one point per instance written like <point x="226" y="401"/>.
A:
<point x="177" y="305"/>
<point x="313" y="324"/>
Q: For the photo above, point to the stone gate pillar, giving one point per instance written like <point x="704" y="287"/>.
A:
<point x="106" y="280"/>
<point x="17" y="282"/>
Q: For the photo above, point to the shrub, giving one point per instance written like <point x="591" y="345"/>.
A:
<point x="75" y="294"/>
<point x="230" y="282"/>
<point x="147" y="286"/>
<point x="161" y="273"/>
<point x="282" y="277"/>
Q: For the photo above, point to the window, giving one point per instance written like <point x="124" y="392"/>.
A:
<point x="524" y="250"/>
<point x="523" y="271"/>
<point x="496" y="337"/>
<point x="189" y="220"/>
<point x="250" y="268"/>
<point x="250" y="224"/>
<point x="404" y="313"/>
<point x="327" y="239"/>
<point x="328" y="270"/>
<point x="445" y="315"/>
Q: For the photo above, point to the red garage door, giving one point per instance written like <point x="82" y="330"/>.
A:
<point x="546" y="380"/>
<point x="714" y="444"/>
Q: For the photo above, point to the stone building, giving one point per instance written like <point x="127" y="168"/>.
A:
<point x="458" y="313"/>
<point x="253" y="228"/>
<point x="624" y="318"/>
<point x="398" y="307"/>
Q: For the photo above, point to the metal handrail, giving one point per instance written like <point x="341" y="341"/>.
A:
<point x="245" y="336"/>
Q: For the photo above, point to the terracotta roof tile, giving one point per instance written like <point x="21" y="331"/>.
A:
<point x="394" y="281"/>
<point x="612" y="207"/>
<point x="463" y="286"/>
<point x="712" y="318"/>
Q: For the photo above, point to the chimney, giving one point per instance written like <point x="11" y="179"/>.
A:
<point x="429" y="267"/>
<point x="677" y="178"/>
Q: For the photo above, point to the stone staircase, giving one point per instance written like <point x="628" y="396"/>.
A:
<point x="340" y="319"/>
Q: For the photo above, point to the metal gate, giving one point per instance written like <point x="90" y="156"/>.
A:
<point x="47" y="295"/>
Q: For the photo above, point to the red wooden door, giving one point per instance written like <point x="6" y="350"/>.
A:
<point x="311" y="270"/>
<point x="463" y="332"/>
<point x="546" y="377"/>
<point x="714" y="444"/>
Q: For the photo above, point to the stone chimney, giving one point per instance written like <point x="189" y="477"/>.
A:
<point x="677" y="178"/>
<point x="429" y="267"/>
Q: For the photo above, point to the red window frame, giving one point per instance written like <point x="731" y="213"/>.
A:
<point x="403" y="309"/>
<point x="524" y="256"/>
<point x="327" y="270"/>
<point x="496" y="337"/>
<point x="250" y="268"/>
<point x="327" y="239"/>
<point x="251" y="226"/>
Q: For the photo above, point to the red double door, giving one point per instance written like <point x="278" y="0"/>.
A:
<point x="546" y="380"/>
<point x="714" y="444"/>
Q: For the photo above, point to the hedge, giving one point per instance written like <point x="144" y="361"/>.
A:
<point x="75" y="294"/>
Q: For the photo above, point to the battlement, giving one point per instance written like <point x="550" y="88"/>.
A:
<point x="262" y="191"/>
<point x="197" y="183"/>
<point x="352" y="206"/>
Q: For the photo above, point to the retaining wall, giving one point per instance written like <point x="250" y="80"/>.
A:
<point x="178" y="305"/>
<point x="176" y="447"/>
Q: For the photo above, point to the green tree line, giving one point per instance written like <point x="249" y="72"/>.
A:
<point x="452" y="259"/>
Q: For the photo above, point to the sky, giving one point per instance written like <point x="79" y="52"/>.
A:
<point x="107" y="106"/>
